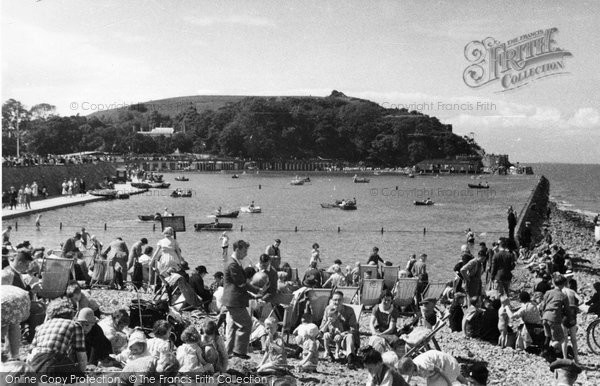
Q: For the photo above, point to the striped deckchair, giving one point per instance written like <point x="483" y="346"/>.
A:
<point x="434" y="290"/>
<point x="349" y="293"/>
<point x="390" y="274"/>
<point x="371" y="292"/>
<point x="55" y="277"/>
<point x="295" y="277"/>
<point x="404" y="292"/>
<point x="318" y="298"/>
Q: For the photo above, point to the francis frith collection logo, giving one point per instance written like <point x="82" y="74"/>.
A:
<point x="515" y="63"/>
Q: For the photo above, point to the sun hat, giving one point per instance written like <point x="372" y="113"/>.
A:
<point x="86" y="315"/>
<point x="201" y="269"/>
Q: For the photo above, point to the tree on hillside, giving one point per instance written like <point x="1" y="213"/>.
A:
<point x="14" y="121"/>
<point x="42" y="111"/>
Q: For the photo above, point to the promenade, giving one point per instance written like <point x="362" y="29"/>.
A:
<point x="61" y="202"/>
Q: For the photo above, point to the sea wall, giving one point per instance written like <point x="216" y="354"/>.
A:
<point x="535" y="209"/>
<point x="52" y="176"/>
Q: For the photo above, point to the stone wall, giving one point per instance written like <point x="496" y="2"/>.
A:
<point x="535" y="209"/>
<point x="52" y="176"/>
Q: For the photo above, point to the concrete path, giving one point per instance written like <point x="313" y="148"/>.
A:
<point x="61" y="202"/>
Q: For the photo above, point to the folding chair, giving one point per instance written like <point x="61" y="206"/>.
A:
<point x="424" y="344"/>
<point x="404" y="293"/>
<point x="357" y="308"/>
<point x="349" y="293"/>
<point x="318" y="298"/>
<point x="55" y="277"/>
<point x="324" y="276"/>
<point x="295" y="277"/>
<point x="434" y="290"/>
<point x="390" y="275"/>
<point x="371" y="292"/>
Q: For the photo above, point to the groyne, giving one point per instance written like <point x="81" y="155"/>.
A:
<point x="52" y="176"/>
<point x="535" y="209"/>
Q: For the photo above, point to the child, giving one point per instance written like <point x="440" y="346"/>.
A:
<point x="274" y="361"/>
<point x="456" y="313"/>
<point x="303" y="330"/>
<point x="213" y="346"/>
<point x="594" y="301"/>
<point x="310" y="350"/>
<point x="161" y="343"/>
<point x="137" y="347"/>
<point x="80" y="300"/>
<point x="503" y="321"/>
<point x="190" y="355"/>
<point x="332" y="333"/>
<point x="435" y="366"/>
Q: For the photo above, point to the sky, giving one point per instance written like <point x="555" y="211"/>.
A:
<point x="80" y="55"/>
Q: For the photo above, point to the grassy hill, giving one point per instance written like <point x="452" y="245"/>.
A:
<point x="174" y="106"/>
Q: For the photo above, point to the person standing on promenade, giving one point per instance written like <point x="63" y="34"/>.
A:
<point x="236" y="300"/>
<point x="27" y="195"/>
<point x="502" y="265"/>
<point x="275" y="254"/>
<point x="34" y="189"/>
<point x="224" y="245"/>
<point x="65" y="187"/>
<point x="12" y="198"/>
<point x="512" y="223"/>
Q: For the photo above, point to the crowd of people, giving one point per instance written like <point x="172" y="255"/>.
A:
<point x="21" y="198"/>
<point x="246" y="299"/>
<point x="34" y="160"/>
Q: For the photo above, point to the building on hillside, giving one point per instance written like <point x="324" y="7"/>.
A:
<point x="495" y="163"/>
<point x="158" y="131"/>
<point x="465" y="165"/>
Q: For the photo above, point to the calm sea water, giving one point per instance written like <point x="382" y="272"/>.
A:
<point x="386" y="202"/>
<point x="574" y="187"/>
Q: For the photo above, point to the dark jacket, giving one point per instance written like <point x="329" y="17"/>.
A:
<point x="197" y="284"/>
<point x="272" y="290"/>
<point x="502" y="266"/>
<point x="236" y="287"/>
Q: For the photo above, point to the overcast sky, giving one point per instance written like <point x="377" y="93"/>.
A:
<point x="75" y="54"/>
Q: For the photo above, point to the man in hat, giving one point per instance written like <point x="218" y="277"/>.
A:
<point x="197" y="283"/>
<point x="349" y="330"/>
<point x="565" y="371"/>
<point x="274" y="253"/>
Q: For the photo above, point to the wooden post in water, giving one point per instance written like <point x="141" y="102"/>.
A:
<point x="295" y="229"/>
<point x="104" y="226"/>
<point x="16" y="225"/>
<point x="241" y="228"/>
<point x="381" y="230"/>
<point x="60" y="226"/>
<point x="339" y="229"/>
<point x="424" y="231"/>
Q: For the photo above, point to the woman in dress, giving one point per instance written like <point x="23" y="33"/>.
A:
<point x="383" y="325"/>
<point x="167" y="257"/>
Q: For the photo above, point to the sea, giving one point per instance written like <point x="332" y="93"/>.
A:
<point x="386" y="216"/>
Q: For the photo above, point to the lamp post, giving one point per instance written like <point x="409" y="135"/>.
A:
<point x="18" y="136"/>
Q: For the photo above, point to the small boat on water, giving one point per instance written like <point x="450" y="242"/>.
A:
<point x="297" y="182"/>
<point x="108" y="193"/>
<point x="336" y="204"/>
<point x="410" y="175"/>
<point x="159" y="185"/>
<point x="250" y="209"/>
<point x="213" y="226"/>
<point x="235" y="176"/>
<point x="181" y="193"/>
<point x="360" y="180"/>
<point x="232" y="214"/>
<point x="479" y="186"/>
<point x="424" y="203"/>
<point x="122" y="195"/>
<point x="181" y="178"/>
<point x="140" y="185"/>
<point x="150" y="217"/>
<point x="350" y="205"/>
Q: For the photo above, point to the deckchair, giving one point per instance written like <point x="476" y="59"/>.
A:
<point x="318" y="298"/>
<point x="424" y="344"/>
<point x="324" y="276"/>
<point x="404" y="292"/>
<point x="55" y="277"/>
<point x="371" y="292"/>
<point x="294" y="275"/>
<point x="390" y="274"/>
<point x="349" y="293"/>
<point x="357" y="308"/>
<point x="368" y="268"/>
<point x="434" y="290"/>
<point x="284" y="300"/>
